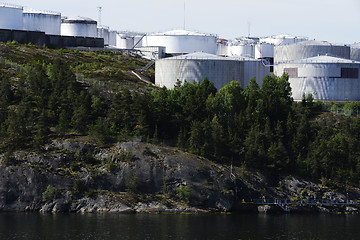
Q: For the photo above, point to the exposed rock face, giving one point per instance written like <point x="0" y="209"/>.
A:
<point x="137" y="177"/>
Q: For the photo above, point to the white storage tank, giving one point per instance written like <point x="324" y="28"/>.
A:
<point x="79" y="27"/>
<point x="355" y="51"/>
<point x="182" y="41"/>
<point x="195" y="67"/>
<point x="222" y="47"/>
<point x="112" y="38"/>
<point x="282" y="39"/>
<point x="307" y="49"/>
<point x="326" y="78"/>
<point x="104" y="32"/>
<point x="11" y="17"/>
<point x="246" y="50"/>
<point x="124" y="41"/>
<point x="264" y="50"/>
<point x="42" y="21"/>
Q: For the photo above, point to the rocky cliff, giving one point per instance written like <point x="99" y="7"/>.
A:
<point x="71" y="176"/>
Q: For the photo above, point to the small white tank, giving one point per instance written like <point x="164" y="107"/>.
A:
<point x="245" y="50"/>
<point x="112" y="38"/>
<point x="124" y="41"/>
<point x="11" y="17"/>
<point x="79" y="27"/>
<point x="282" y="39"/>
<point x="104" y="32"/>
<point x="264" y="50"/>
<point x="355" y="51"/>
<point x="42" y="21"/>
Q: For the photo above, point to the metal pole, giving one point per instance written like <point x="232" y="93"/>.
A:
<point x="99" y="9"/>
<point x="184" y="15"/>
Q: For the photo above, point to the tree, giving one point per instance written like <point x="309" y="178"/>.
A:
<point x="63" y="123"/>
<point x="196" y="137"/>
<point x="100" y="131"/>
<point x="42" y="131"/>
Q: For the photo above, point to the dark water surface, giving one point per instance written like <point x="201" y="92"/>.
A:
<point x="180" y="226"/>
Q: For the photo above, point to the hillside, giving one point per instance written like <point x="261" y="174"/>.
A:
<point x="91" y="98"/>
<point x="108" y="69"/>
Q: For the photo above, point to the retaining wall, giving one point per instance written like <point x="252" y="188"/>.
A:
<point x="40" y="38"/>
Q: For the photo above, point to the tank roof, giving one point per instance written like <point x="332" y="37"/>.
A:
<point x="355" y="45"/>
<point x="78" y="20"/>
<point x="6" y="5"/>
<point x="313" y="43"/>
<point x="180" y="32"/>
<point x="323" y="59"/>
<point x="208" y="56"/>
<point x="197" y="56"/>
<point x="28" y="10"/>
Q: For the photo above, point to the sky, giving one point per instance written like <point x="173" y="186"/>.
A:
<point x="336" y="21"/>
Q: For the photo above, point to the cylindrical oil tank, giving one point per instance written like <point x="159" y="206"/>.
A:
<point x="222" y="49"/>
<point x="124" y="41"/>
<point x="195" y="67"/>
<point x="79" y="27"/>
<point x="264" y="50"/>
<point x="246" y="50"/>
<point x="302" y="50"/>
<point x="104" y="32"/>
<point x="326" y="78"/>
<point x="42" y="21"/>
<point x="182" y="41"/>
<point x="112" y="38"/>
<point x="11" y="17"/>
<point x="282" y="39"/>
<point x="254" y="68"/>
<point x="355" y="52"/>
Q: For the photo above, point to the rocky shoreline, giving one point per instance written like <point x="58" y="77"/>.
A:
<point x="135" y="177"/>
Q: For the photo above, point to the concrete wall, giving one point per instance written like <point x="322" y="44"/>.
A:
<point x="5" y="35"/>
<point x="22" y="37"/>
<point x="40" y="38"/>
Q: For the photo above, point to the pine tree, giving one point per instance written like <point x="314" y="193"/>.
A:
<point x="42" y="131"/>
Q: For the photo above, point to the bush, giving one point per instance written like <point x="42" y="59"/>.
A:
<point x="49" y="194"/>
<point x="183" y="193"/>
<point x="79" y="186"/>
<point x="8" y="159"/>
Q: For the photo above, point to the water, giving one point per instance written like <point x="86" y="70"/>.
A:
<point x="235" y="226"/>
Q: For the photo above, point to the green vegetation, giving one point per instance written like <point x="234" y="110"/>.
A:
<point x="49" y="194"/>
<point x="183" y="193"/>
<point x="260" y="128"/>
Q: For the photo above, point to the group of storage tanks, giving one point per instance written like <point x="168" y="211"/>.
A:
<point x="329" y="72"/>
<point x="14" y="17"/>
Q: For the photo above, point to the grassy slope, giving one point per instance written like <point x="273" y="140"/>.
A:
<point x="109" y="70"/>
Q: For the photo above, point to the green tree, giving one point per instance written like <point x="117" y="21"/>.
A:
<point x="49" y="194"/>
<point x="42" y="131"/>
<point x="196" y="137"/>
<point x="100" y="131"/>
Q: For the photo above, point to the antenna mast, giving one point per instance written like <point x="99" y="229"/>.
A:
<point x="184" y="14"/>
<point x="100" y="10"/>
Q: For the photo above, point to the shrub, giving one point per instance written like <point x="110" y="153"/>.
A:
<point x="49" y="194"/>
<point x="183" y="193"/>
